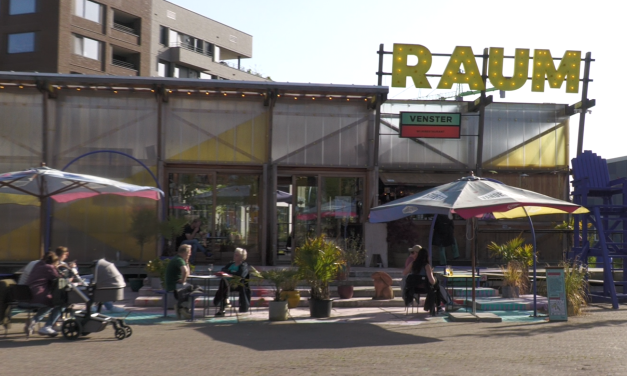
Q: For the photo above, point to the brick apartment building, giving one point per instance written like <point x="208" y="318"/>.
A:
<point x="116" y="37"/>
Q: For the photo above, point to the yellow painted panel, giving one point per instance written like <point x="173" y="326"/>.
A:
<point x="8" y="198"/>
<point x="237" y="144"/>
<point x="562" y="145"/>
<point x="516" y="158"/>
<point x="547" y="150"/>
<point x="22" y="243"/>
<point x="532" y="154"/>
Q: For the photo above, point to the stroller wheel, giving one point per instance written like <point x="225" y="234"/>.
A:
<point x="129" y="331"/>
<point x="71" y="329"/>
<point x="120" y="333"/>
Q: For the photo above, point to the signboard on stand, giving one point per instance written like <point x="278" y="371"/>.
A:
<point x="556" y="294"/>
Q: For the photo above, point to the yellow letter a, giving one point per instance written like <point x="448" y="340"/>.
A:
<point x="451" y="75"/>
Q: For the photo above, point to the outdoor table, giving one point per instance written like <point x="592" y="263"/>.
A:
<point x="206" y="285"/>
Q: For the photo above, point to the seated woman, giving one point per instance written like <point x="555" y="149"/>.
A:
<point x="239" y="269"/>
<point x="419" y="272"/>
<point x="40" y="281"/>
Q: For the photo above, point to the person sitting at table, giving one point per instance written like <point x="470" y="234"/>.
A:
<point x="240" y="271"/>
<point x="178" y="269"/>
<point x="419" y="273"/>
<point x="190" y="231"/>
<point x="40" y="281"/>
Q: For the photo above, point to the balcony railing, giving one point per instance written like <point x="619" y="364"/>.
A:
<point x="125" y="29"/>
<point x="189" y="47"/>
<point x="123" y="64"/>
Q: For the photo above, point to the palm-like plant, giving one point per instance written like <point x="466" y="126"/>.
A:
<point x="318" y="262"/>
<point x="576" y="284"/>
<point x="278" y="278"/>
<point x="515" y="250"/>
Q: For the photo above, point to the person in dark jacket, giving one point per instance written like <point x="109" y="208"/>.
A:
<point x="40" y="281"/>
<point x="240" y="271"/>
<point x="444" y="236"/>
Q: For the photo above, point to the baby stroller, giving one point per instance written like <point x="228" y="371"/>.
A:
<point x="107" y="285"/>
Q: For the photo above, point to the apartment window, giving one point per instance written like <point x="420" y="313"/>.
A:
<point x="163" y="35"/>
<point x="88" y="9"/>
<point x="184" y="72"/>
<point x="87" y="47"/>
<point x="20" y="43"/>
<point x="163" y="69"/>
<point x="22" y="7"/>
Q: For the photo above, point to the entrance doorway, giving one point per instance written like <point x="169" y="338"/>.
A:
<point x="227" y="203"/>
<point x="320" y="204"/>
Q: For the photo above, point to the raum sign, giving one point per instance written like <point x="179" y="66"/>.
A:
<point x="543" y="67"/>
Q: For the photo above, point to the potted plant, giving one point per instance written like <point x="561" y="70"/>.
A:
<point x="515" y="250"/>
<point x="288" y="289"/>
<point x="575" y="282"/>
<point x="155" y="269"/>
<point x="318" y="261"/>
<point x="512" y="280"/>
<point x="278" y="310"/>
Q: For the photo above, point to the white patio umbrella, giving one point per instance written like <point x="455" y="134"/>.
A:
<point x="477" y="197"/>
<point x="34" y="186"/>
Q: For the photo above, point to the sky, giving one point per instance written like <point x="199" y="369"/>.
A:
<point x="336" y="42"/>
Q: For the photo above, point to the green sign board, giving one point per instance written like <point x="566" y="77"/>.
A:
<point x="430" y="125"/>
<point x="556" y="294"/>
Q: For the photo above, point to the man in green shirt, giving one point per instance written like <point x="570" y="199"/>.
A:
<point x="178" y="269"/>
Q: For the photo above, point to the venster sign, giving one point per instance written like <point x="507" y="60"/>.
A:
<point x="543" y="69"/>
<point x="430" y="125"/>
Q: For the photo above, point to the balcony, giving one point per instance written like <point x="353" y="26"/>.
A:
<point x="124" y="62"/>
<point x="125" y="29"/>
<point x="193" y="57"/>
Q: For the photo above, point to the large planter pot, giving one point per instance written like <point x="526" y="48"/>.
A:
<point x="345" y="291"/>
<point x="135" y="283"/>
<point x="278" y="311"/>
<point x="320" y="308"/>
<point x="292" y="297"/>
<point x="510" y="291"/>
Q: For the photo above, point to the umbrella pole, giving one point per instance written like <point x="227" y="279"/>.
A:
<point x="473" y="263"/>
<point x="535" y="277"/>
<point x="431" y="239"/>
<point x="42" y="226"/>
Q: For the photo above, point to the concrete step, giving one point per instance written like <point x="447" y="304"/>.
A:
<point x="523" y="303"/>
<point x="467" y="292"/>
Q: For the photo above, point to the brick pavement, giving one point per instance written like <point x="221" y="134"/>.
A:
<point x="373" y="341"/>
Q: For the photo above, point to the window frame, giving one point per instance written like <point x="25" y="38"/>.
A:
<point x="82" y="47"/>
<point x="33" y="2"/>
<point x="83" y="9"/>
<point x="34" y="43"/>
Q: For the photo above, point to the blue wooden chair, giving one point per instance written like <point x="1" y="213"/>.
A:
<point x="591" y="178"/>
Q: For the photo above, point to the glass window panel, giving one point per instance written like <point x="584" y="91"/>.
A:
<point x="19" y="43"/>
<point x="162" y="69"/>
<point x="340" y="208"/>
<point x="22" y="7"/>
<point x="92" y="11"/>
<point x="306" y="216"/>
<point x="78" y="45"/>
<point x="237" y="212"/>
<point x="79" y="7"/>
<point x="91" y="48"/>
